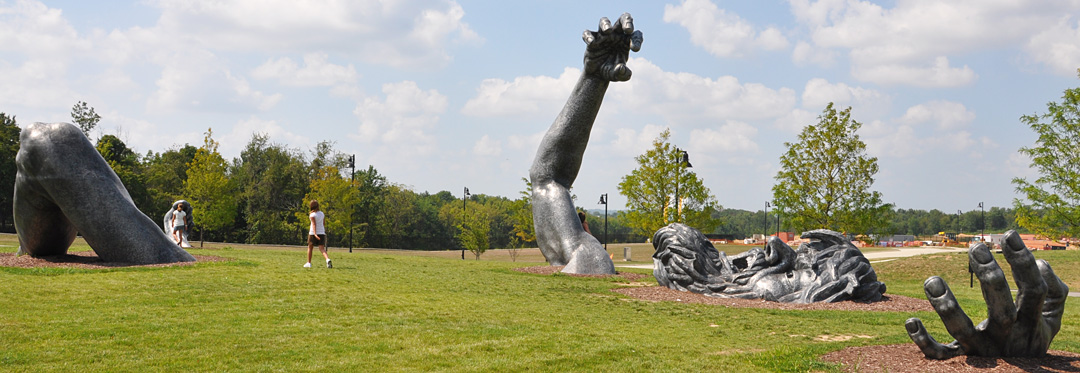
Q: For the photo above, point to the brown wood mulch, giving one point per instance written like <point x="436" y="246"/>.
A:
<point x="86" y="260"/>
<point x="908" y="358"/>
<point x="887" y="358"/>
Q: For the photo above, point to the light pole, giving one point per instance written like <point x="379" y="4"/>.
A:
<point x="982" y="234"/>
<point x="352" y="183"/>
<point x="766" y="231"/>
<point x="463" y="221"/>
<point x="603" y="201"/>
<point x="682" y="159"/>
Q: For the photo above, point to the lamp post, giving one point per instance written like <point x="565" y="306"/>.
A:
<point x="352" y="183"/>
<point x="682" y="159"/>
<point x="766" y="231"/>
<point x="463" y="221"/>
<point x="603" y="201"/>
<point x="982" y="234"/>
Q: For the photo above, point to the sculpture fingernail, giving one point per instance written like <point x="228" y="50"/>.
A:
<point x="934" y="287"/>
<point x="912" y="325"/>
<point x="981" y="255"/>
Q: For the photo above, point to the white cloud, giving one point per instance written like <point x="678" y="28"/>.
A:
<point x="407" y="33"/>
<point x="732" y="137"/>
<point x="806" y="54"/>
<point x="485" y="146"/>
<point x="233" y="142"/>
<point x="1058" y="47"/>
<point x="912" y="42"/>
<point x="32" y="28"/>
<point x="939" y="74"/>
<point x="317" y="71"/>
<point x="934" y="127"/>
<point x="794" y="121"/>
<point x="36" y="83"/>
<point x="947" y="115"/>
<point x="721" y="33"/>
<point x="681" y="97"/>
<point x="524" y="95"/>
<point x="629" y="142"/>
<point x="199" y="81"/>
<point x="819" y="92"/>
<point x="402" y="119"/>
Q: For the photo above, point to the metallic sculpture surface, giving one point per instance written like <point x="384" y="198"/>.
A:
<point x="167" y="222"/>
<point x="559" y="233"/>
<point x="64" y="186"/>
<point x="1012" y="329"/>
<point x="827" y="269"/>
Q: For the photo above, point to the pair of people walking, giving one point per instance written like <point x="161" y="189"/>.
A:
<point x="317" y="234"/>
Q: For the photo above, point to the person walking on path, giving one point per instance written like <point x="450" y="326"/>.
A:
<point x="178" y="224"/>
<point x="317" y="234"/>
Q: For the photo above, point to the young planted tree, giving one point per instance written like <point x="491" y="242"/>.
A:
<point x="337" y="197"/>
<point x="1053" y="199"/>
<point x="209" y="189"/>
<point x="650" y="191"/>
<point x="825" y="179"/>
<point x="84" y="116"/>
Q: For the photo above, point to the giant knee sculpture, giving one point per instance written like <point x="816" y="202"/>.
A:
<point x="827" y="269"/>
<point x="64" y="186"/>
<point x="167" y="222"/>
<point x="1021" y="328"/>
<point x="559" y="233"/>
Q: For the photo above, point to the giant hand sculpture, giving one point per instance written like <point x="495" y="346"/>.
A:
<point x="1024" y="328"/>
<point x="828" y="269"/>
<point x="64" y="186"/>
<point x="167" y="222"/>
<point x="559" y="233"/>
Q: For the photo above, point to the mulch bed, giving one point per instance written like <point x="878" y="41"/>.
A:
<point x="908" y="358"/>
<point x="889" y="303"/>
<point x="86" y="260"/>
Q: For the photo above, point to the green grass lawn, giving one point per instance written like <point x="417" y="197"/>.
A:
<point x="382" y="310"/>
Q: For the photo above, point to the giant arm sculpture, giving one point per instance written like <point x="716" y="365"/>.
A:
<point x="559" y="233"/>
<point x="1024" y="328"/>
<point x="64" y="186"/>
<point x="827" y="269"/>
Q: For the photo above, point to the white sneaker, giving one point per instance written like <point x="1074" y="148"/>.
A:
<point x="307" y="265"/>
<point x="328" y="264"/>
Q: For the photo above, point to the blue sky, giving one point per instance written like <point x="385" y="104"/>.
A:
<point x="439" y="95"/>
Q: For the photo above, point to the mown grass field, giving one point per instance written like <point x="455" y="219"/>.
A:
<point x="400" y="311"/>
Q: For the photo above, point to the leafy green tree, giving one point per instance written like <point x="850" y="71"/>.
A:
<point x="165" y="175"/>
<point x="209" y="189"/>
<point x="473" y="225"/>
<point x="273" y="181"/>
<point x="1053" y="199"/>
<point x="650" y="191"/>
<point x="9" y="147"/>
<point x="522" y="216"/>
<point x="337" y="198"/>
<point x="825" y="179"/>
<point x="125" y="163"/>
<point x="84" y="116"/>
<point x="370" y="202"/>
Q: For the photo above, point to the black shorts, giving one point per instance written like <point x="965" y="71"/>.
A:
<point x="317" y="240"/>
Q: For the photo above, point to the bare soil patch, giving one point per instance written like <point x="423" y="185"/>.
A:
<point x="908" y="358"/>
<point x="86" y="260"/>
